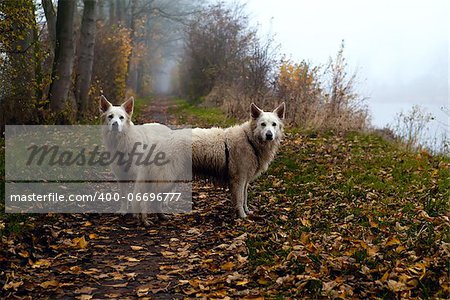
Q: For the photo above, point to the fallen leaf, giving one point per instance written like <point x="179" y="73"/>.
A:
<point x="304" y="238"/>
<point x="50" y="283"/>
<point x="131" y="259"/>
<point x="396" y="286"/>
<point x="305" y="222"/>
<point x="42" y="263"/>
<point x="75" y="269"/>
<point x="392" y="241"/>
<point x="163" y="277"/>
<point x="385" y="276"/>
<point x="85" y="290"/>
<point x="136" y="248"/>
<point x="24" y="254"/>
<point x="168" y="254"/>
<point x="227" y="266"/>
<point x="372" y="223"/>
<point x="117" y="285"/>
<point x="242" y="282"/>
<point x="349" y="218"/>
<point x="143" y="290"/>
<point x="80" y="243"/>
<point x="400" y="249"/>
<point x="12" y="285"/>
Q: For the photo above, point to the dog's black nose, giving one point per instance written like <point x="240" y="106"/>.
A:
<point x="115" y="125"/>
<point x="269" y="136"/>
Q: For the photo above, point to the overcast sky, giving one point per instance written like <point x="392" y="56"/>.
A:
<point x="400" y="47"/>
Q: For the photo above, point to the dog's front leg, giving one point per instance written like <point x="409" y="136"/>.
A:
<point x="246" y="209"/>
<point x="237" y="197"/>
<point x="138" y="205"/>
<point x="123" y="187"/>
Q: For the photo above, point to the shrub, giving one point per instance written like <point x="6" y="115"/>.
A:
<point x="112" y="51"/>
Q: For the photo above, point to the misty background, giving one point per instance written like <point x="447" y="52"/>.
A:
<point x="398" y="48"/>
<point x="227" y="54"/>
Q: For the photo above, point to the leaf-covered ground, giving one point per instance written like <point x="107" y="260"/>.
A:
<point x="337" y="216"/>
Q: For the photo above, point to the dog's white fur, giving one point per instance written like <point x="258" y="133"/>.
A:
<point x="237" y="155"/>
<point x="120" y="135"/>
<point x="231" y="157"/>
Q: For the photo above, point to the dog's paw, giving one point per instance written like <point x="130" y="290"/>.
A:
<point x="247" y="210"/>
<point x="122" y="212"/>
<point x="242" y="215"/>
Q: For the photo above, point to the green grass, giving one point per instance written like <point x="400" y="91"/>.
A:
<point x="196" y="115"/>
<point x="139" y="103"/>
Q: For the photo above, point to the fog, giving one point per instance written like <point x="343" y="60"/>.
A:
<point x="399" y="48"/>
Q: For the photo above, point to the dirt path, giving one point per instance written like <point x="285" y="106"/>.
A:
<point x="112" y="256"/>
<point x="158" y="111"/>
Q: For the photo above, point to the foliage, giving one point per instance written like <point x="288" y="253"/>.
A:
<point x="225" y="62"/>
<point x="217" y="41"/>
<point x="412" y="126"/>
<point x="322" y="97"/>
<point x="299" y="84"/>
<point x="20" y="59"/>
<point x="112" y="50"/>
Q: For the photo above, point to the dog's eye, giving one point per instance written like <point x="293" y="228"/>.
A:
<point x="110" y="116"/>
<point x="121" y="117"/>
<point x="263" y="124"/>
<point x="274" y="124"/>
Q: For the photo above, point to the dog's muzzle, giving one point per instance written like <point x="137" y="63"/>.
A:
<point x="115" y="126"/>
<point x="269" y="136"/>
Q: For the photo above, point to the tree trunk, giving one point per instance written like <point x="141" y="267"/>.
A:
<point x="64" y="54"/>
<point x="86" y="56"/>
<point x="50" y="16"/>
<point x="120" y="11"/>
<point x="112" y="13"/>
<point x="132" y="72"/>
<point x="140" y="79"/>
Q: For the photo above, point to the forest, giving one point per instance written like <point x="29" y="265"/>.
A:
<point x="58" y="58"/>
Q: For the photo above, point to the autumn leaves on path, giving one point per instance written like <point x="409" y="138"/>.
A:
<point x="111" y="256"/>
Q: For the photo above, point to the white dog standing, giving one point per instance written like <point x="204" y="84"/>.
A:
<point x="121" y="135"/>
<point x="237" y="155"/>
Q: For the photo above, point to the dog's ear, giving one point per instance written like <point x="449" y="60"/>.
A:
<point x="255" y="111"/>
<point x="104" y="104"/>
<point x="279" y="111"/>
<point x="128" y="106"/>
